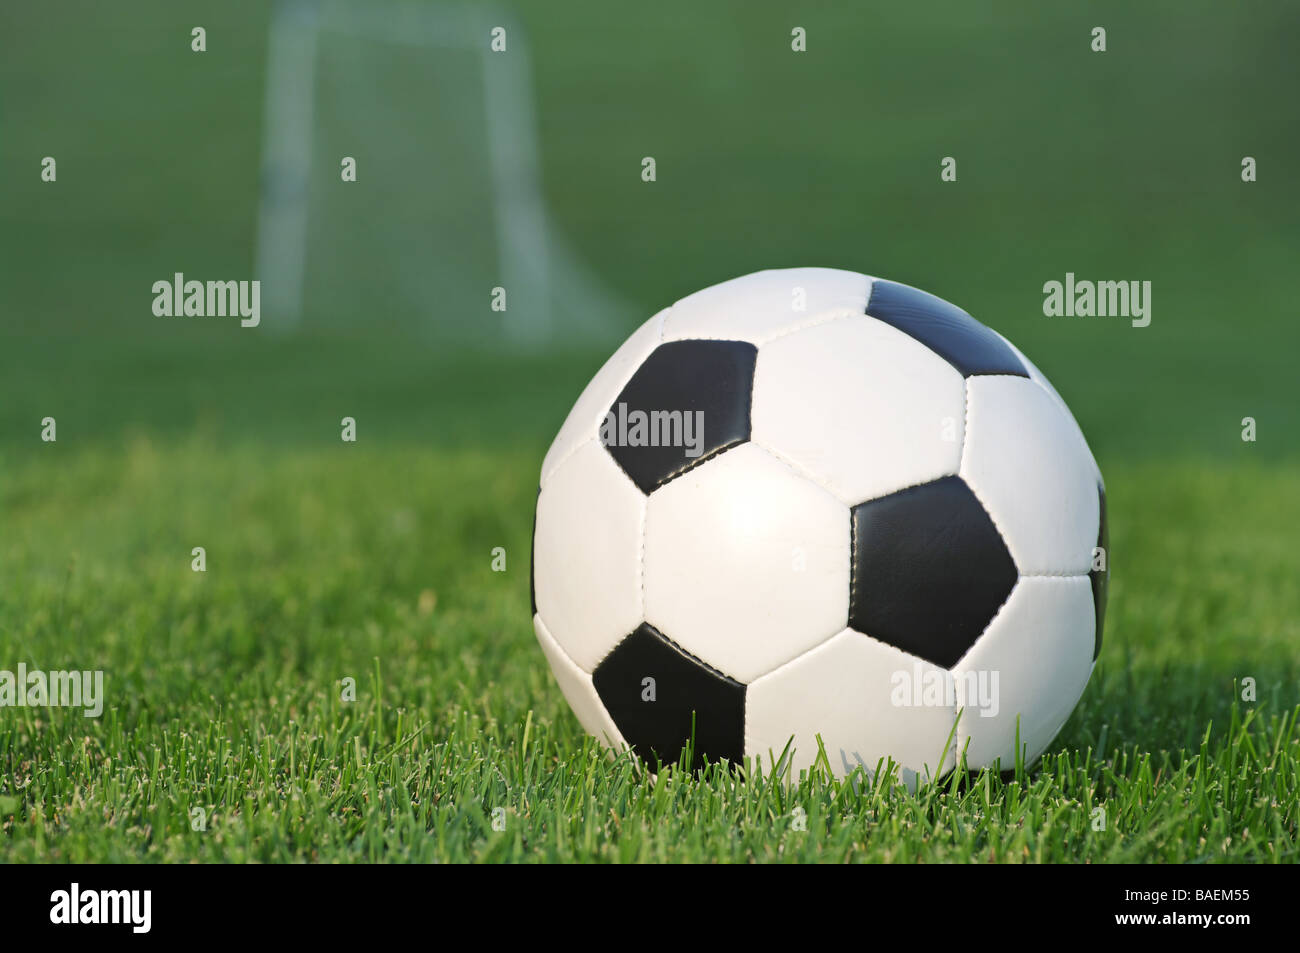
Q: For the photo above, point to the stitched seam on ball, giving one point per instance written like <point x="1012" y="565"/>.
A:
<point x="744" y="705"/>
<point x="803" y="653"/>
<point x="744" y="730"/>
<point x="1056" y="398"/>
<point x="796" y="467"/>
<point x="854" y="572"/>
<point x="993" y="618"/>
<point x="640" y="558"/>
<point x="1003" y="537"/>
<point x="961" y="459"/>
<point x="695" y="658"/>
<point x="560" y="648"/>
<point x="911" y="486"/>
<point x="697" y="462"/>
<point x="790" y="661"/>
<point x="1060" y="403"/>
<point x="852" y="540"/>
<point x="965" y="422"/>
<point x="826" y="316"/>
<point x="957" y="729"/>
<point x="564" y="459"/>
<point x="1019" y="575"/>
<point x="546" y="477"/>
<point x="616" y="742"/>
<point x="798" y="472"/>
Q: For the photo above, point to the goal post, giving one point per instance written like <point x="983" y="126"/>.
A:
<point x="444" y="231"/>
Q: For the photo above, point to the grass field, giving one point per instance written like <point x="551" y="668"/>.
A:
<point x="224" y="687"/>
<point x="372" y="561"/>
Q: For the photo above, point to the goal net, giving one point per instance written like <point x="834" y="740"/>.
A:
<point x="444" y="233"/>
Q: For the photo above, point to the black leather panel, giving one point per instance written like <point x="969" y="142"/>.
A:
<point x="688" y="402"/>
<point x="930" y="570"/>
<point x="944" y="328"/>
<point x="1101" y="579"/>
<point x="688" y="696"/>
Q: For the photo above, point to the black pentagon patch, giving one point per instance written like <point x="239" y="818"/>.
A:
<point x="688" y="696"/>
<point x="688" y="402"/>
<point x="930" y="570"/>
<point x="1101" y="578"/>
<point x="944" y="328"/>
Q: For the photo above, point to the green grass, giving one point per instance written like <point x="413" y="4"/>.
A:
<point x="224" y="687"/>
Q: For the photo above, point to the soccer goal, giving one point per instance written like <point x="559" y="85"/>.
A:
<point x="401" y="182"/>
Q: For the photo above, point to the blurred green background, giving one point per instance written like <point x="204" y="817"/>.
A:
<point x="372" y="560"/>
<point x="1115" y="165"/>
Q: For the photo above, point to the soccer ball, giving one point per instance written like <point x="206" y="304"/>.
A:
<point x="811" y="511"/>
